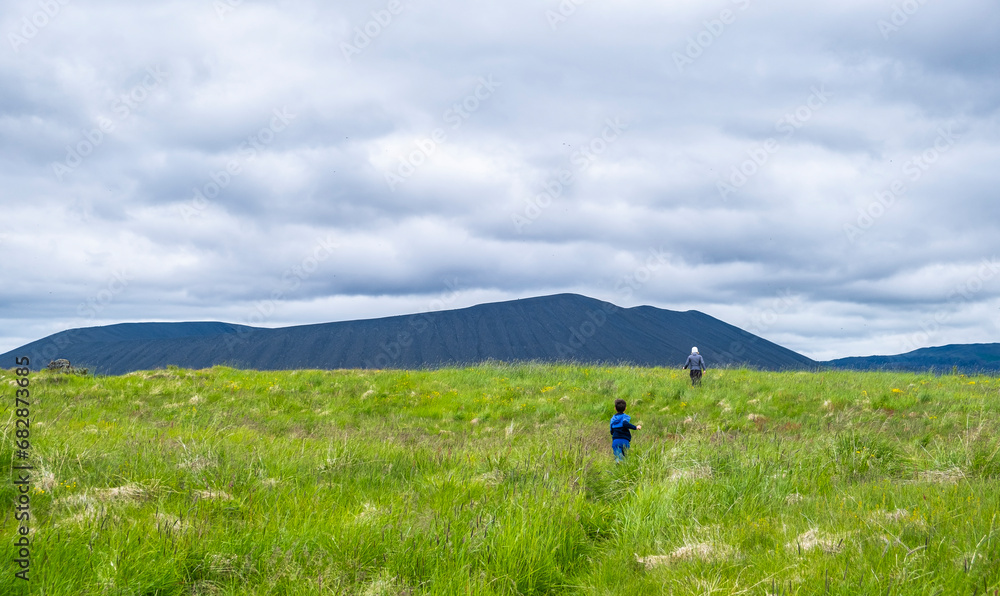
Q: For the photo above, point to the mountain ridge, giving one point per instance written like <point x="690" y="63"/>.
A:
<point x="966" y="358"/>
<point x="556" y="328"/>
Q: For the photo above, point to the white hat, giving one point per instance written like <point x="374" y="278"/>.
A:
<point x="694" y="350"/>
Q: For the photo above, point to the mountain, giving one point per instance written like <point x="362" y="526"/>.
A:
<point x="966" y="358"/>
<point x="563" y="327"/>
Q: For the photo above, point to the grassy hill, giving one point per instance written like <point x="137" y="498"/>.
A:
<point x="499" y="479"/>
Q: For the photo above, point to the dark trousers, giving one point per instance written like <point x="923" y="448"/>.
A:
<point x="695" y="377"/>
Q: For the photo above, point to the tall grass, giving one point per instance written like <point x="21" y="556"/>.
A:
<point x="499" y="479"/>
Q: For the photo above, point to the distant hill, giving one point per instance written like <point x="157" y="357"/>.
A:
<point x="563" y="327"/>
<point x="967" y="358"/>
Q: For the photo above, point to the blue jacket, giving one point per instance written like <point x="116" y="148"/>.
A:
<point x="696" y="362"/>
<point x="620" y="427"/>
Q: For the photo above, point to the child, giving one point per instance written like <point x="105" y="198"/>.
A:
<point x="620" y="426"/>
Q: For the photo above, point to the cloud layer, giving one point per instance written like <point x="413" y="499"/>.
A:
<point x="822" y="175"/>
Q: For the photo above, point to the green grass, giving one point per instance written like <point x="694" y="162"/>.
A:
<point x="499" y="479"/>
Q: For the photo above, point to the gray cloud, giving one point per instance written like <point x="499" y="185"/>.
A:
<point x="208" y="204"/>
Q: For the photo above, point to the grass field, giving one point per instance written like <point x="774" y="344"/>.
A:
<point x="499" y="479"/>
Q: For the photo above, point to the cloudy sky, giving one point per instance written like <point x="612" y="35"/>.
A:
<point x="822" y="174"/>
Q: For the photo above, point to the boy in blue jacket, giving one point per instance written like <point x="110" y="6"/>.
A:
<point x="620" y="426"/>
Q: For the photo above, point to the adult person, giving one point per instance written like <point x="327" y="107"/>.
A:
<point x="697" y="364"/>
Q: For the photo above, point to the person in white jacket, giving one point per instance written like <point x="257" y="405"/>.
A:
<point x="697" y="364"/>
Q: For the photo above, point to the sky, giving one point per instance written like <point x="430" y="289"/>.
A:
<point x="822" y="174"/>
